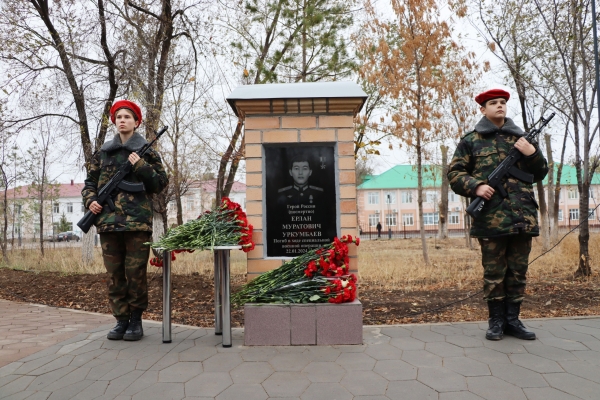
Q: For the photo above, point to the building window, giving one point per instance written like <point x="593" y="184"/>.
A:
<point x="390" y="219"/>
<point x="591" y="193"/>
<point x="373" y="198"/>
<point x="452" y="198"/>
<point x="69" y="207"/>
<point x="18" y="208"/>
<point x="574" y="214"/>
<point x="190" y="204"/>
<point x="431" y="196"/>
<point x="407" y="197"/>
<point x="573" y="194"/>
<point x="560" y="215"/>
<point x="592" y="215"/>
<point x="454" y="218"/>
<point x="431" y="218"/>
<point x="407" y="219"/>
<point x="373" y="219"/>
<point x="56" y="208"/>
<point x="390" y="198"/>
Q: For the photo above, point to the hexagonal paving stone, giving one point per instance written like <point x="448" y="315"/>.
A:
<point x="208" y="384"/>
<point x="428" y="336"/>
<point x="317" y="391"/>
<point x="396" y="331"/>
<point x="422" y="358"/>
<point x="547" y="394"/>
<point x="197" y="353"/>
<point x="251" y="372"/>
<point x="383" y="352"/>
<point x="160" y="391"/>
<point x="466" y="366"/>
<point x="518" y="376"/>
<point x="252" y="391"/>
<point x="551" y="353"/>
<point x="535" y="363"/>
<point x="444" y="349"/>
<point x="324" y="371"/>
<point x="260" y="353"/>
<point x="180" y="372"/>
<point x="407" y="343"/>
<point x="222" y="362"/>
<point x="582" y="369"/>
<point x="487" y="356"/>
<point x="446" y="329"/>
<point x="356" y="361"/>
<point x="574" y="385"/>
<point x="410" y="390"/>
<point x="395" y="370"/>
<point x="282" y="384"/>
<point x="364" y="383"/>
<point x="441" y="379"/>
<point x="459" y="396"/>
<point x="464" y="341"/>
<point x="564" y="344"/>
<point x="289" y="362"/>
<point x="492" y="388"/>
<point x="322" y="353"/>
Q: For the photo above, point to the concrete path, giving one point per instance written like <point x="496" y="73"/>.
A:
<point x="436" y="361"/>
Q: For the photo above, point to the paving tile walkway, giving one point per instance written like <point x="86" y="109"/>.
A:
<point x="435" y="361"/>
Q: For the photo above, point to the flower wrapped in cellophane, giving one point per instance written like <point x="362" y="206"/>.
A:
<point x="317" y="276"/>
<point x="225" y="226"/>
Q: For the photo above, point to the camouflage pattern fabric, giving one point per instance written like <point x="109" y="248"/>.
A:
<point x="126" y="259"/>
<point x="505" y="261"/>
<point x="476" y="156"/>
<point x="133" y="211"/>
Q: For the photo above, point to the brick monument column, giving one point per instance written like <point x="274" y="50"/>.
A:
<point x="300" y="168"/>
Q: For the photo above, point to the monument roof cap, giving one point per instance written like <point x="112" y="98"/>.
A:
<point x="300" y="90"/>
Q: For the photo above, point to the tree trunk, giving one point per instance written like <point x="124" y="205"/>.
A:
<point x="420" y="200"/>
<point x="552" y="214"/>
<point x="584" y="268"/>
<point x="87" y="246"/>
<point x="443" y="223"/>
<point x="544" y="225"/>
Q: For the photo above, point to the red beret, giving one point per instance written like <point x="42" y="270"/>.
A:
<point x="481" y="98"/>
<point x="130" y="105"/>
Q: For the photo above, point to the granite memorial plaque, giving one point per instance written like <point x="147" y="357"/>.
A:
<point x="301" y="200"/>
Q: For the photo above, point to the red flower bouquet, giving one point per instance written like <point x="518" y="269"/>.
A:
<point x="225" y="226"/>
<point x="320" y="275"/>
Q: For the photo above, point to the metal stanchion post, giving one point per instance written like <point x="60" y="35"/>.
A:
<point x="166" y="324"/>
<point x="218" y="305"/>
<point x="225" y="296"/>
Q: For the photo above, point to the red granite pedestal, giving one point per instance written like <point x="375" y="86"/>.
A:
<point x="302" y="324"/>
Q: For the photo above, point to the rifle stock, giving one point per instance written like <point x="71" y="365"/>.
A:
<point x="504" y="168"/>
<point x="104" y="194"/>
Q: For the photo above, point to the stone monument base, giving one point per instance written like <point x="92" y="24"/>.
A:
<point x="302" y="324"/>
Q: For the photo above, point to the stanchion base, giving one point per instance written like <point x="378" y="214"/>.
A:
<point x="166" y="341"/>
<point x="226" y="345"/>
<point x="219" y="333"/>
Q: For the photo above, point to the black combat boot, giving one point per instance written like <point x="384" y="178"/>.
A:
<point x="135" y="331"/>
<point x="496" y="321"/>
<point x="514" y="327"/>
<point x="118" y="331"/>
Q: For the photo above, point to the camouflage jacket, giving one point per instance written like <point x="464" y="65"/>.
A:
<point x="133" y="211"/>
<point x="476" y="156"/>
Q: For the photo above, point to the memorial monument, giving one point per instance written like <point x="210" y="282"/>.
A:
<point x="300" y="175"/>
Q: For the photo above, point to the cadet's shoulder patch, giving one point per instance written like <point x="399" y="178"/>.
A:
<point x="284" y="189"/>
<point x="467" y="134"/>
<point x="315" y="188"/>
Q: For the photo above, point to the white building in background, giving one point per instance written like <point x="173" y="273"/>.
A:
<point x="65" y="199"/>
<point x="23" y="210"/>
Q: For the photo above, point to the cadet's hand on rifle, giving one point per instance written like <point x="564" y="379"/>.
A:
<point x="485" y="191"/>
<point x="525" y="147"/>
<point x="133" y="158"/>
<point x="95" y="207"/>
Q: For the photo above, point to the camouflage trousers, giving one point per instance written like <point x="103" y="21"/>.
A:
<point x="505" y="260"/>
<point x="126" y="260"/>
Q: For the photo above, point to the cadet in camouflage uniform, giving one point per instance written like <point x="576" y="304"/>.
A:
<point x="506" y="225"/>
<point x="124" y="231"/>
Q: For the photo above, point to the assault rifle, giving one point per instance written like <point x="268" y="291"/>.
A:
<point x="507" y="166"/>
<point x="105" y="195"/>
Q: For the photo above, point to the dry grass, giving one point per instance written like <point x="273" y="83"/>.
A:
<point x="395" y="264"/>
